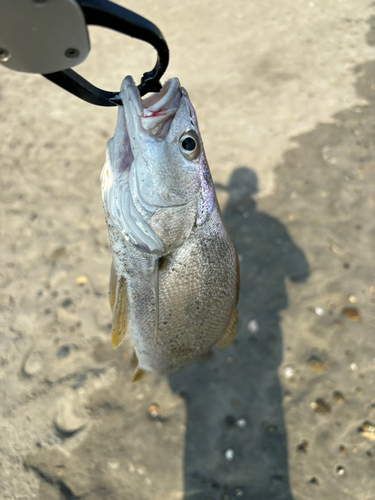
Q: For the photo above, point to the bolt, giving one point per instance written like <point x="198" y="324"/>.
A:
<point x="72" y="53"/>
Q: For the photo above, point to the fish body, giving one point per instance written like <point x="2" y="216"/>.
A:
<point x="174" y="278"/>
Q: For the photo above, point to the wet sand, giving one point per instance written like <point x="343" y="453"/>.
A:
<point x="286" y="104"/>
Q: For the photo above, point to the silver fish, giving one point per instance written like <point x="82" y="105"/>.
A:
<point x="175" y="276"/>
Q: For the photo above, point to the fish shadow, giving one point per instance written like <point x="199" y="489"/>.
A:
<point x="235" y="444"/>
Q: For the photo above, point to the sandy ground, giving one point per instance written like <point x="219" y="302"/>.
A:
<point x="285" y="96"/>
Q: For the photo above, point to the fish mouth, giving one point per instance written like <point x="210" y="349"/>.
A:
<point x="142" y="124"/>
<point x="152" y="115"/>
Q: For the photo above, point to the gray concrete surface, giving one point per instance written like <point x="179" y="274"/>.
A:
<point x="285" y="98"/>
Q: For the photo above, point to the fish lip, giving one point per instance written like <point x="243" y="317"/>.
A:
<point x="130" y="91"/>
<point x="153" y="114"/>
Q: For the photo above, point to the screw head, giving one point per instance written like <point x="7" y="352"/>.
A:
<point x="71" y="53"/>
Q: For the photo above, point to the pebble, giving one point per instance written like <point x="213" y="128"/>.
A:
<point x="241" y="422"/>
<point x="81" y="280"/>
<point x="33" y="363"/>
<point x="288" y="372"/>
<point x="253" y="326"/>
<point x="353" y="367"/>
<point x="351" y="313"/>
<point x="239" y="492"/>
<point x="70" y="417"/>
<point x="368" y="430"/>
<point x="319" y="311"/>
<point x="154" y="410"/>
<point x="353" y="299"/>
<point x="340" y="470"/>
<point x="229" y="454"/>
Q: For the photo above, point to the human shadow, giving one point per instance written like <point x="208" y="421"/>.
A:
<point x="235" y="434"/>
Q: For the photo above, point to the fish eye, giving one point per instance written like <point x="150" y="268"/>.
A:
<point x="189" y="145"/>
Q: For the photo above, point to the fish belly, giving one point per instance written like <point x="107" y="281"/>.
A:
<point x="197" y="294"/>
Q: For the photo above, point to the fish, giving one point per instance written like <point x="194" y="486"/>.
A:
<point x="174" y="279"/>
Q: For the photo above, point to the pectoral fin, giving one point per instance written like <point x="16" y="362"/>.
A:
<point x="230" y="332"/>
<point x="120" y="314"/>
<point x="112" y="286"/>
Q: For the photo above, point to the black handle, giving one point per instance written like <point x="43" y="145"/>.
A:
<point x="110" y="15"/>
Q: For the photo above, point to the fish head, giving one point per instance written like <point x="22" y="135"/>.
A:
<point x="158" y="173"/>
<point x="165" y="142"/>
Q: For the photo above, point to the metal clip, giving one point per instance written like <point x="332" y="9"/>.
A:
<point x="110" y="15"/>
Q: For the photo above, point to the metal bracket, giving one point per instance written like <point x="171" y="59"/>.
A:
<point x="42" y="36"/>
<point x="110" y="15"/>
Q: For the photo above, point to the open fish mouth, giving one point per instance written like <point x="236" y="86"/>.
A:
<point x="153" y="114"/>
<point x="129" y="186"/>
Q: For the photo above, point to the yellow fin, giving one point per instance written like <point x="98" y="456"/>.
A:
<point x="138" y="375"/>
<point x="120" y="314"/>
<point x="112" y="286"/>
<point x="230" y="332"/>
